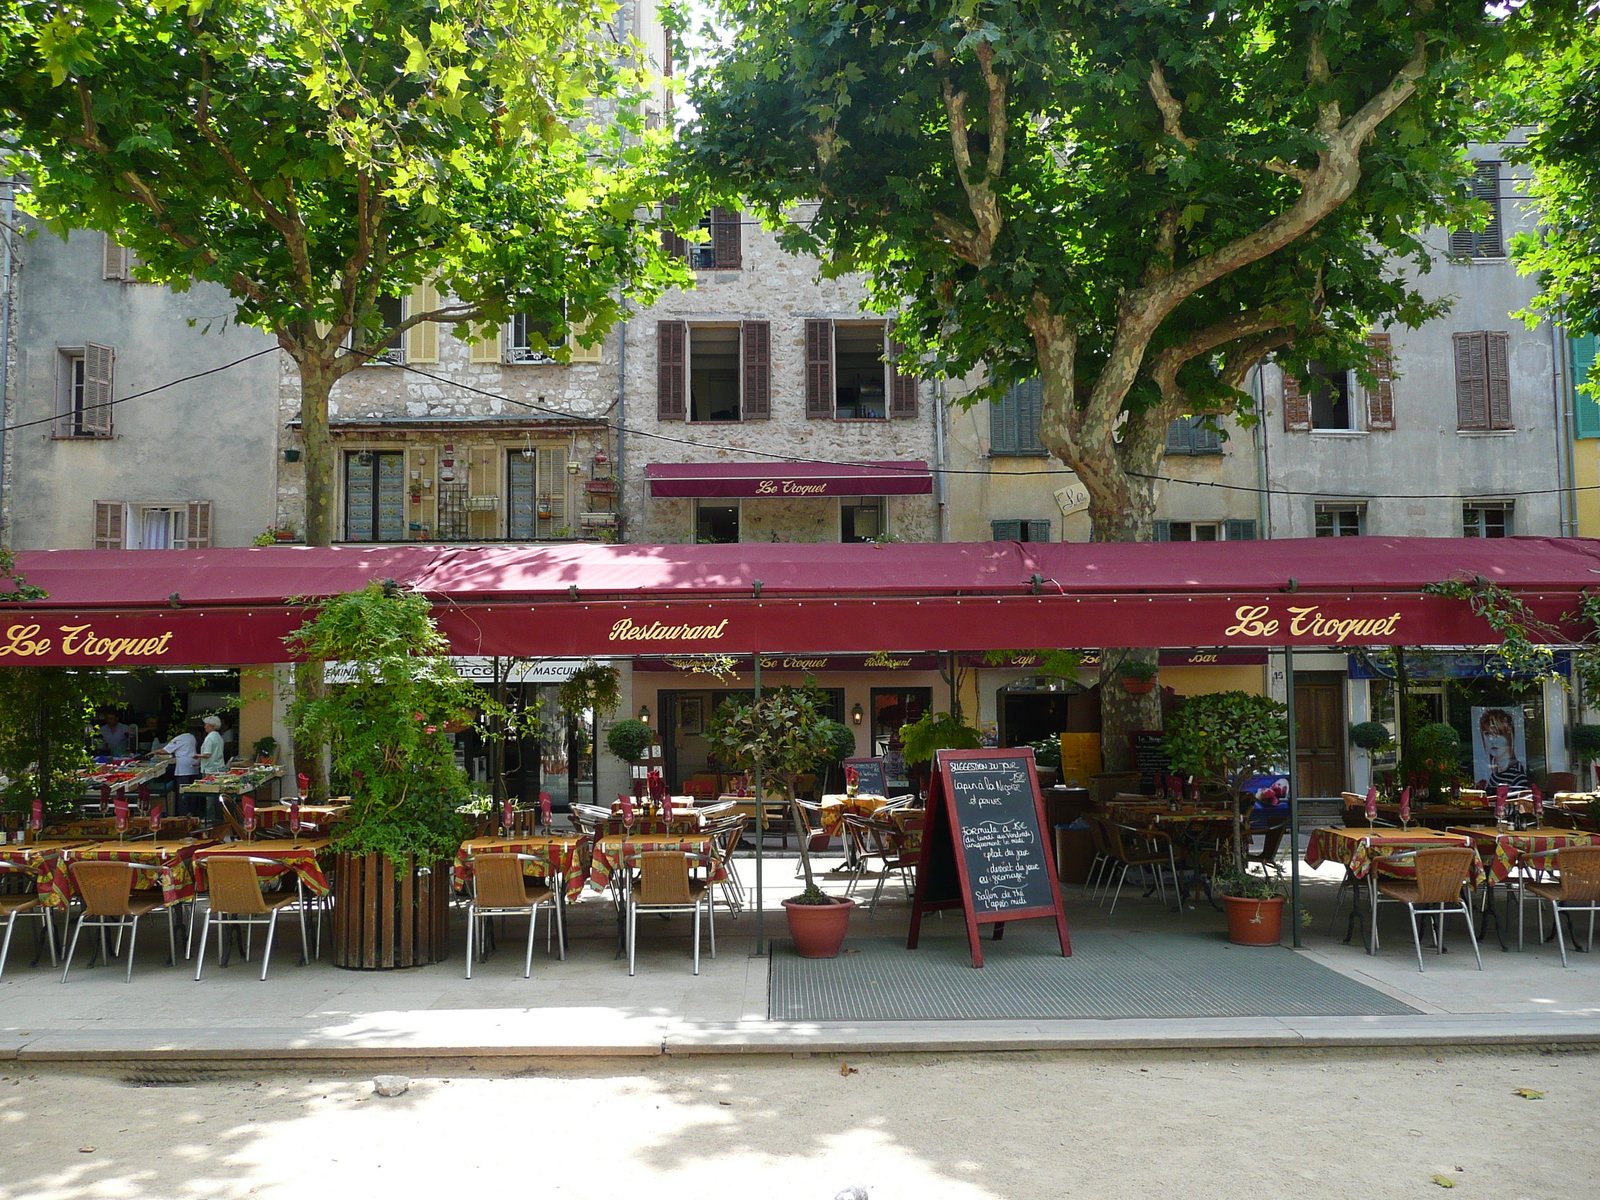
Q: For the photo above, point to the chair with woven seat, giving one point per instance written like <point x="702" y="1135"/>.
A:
<point x="663" y="886"/>
<point x="1271" y="841"/>
<point x="109" y="902"/>
<point x="236" y="899"/>
<point x="1439" y="890"/>
<point x="901" y="846"/>
<point x="24" y="904"/>
<point x="809" y="830"/>
<point x="1576" y="888"/>
<point x="1100" y="863"/>
<point x="1148" y="849"/>
<point x="501" y="889"/>
<point x="726" y="835"/>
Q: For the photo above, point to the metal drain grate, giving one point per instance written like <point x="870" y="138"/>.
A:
<point x="1025" y="978"/>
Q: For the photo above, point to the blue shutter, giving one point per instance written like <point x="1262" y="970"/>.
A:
<point x="1206" y="441"/>
<point x="1240" y="531"/>
<point x="1180" y="437"/>
<point x="1161" y="532"/>
<point x="1586" y="410"/>
<point x="1005" y="531"/>
<point x="1038" y="531"/>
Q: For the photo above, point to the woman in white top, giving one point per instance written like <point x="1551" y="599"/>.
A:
<point x="185" y="770"/>
<point x="213" y="754"/>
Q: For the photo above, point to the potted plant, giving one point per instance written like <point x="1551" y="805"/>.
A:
<point x="1047" y="759"/>
<point x="1435" y="751"/>
<point x="783" y="734"/>
<point x="385" y="731"/>
<point x="266" y="749"/>
<point x="1254" y="905"/>
<point x="1585" y="743"/>
<point x="630" y="740"/>
<point x="1222" y="739"/>
<point x="1138" y="678"/>
<point x="934" y="731"/>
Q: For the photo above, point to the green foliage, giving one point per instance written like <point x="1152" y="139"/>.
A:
<point x="594" y="687"/>
<point x="936" y="731"/>
<point x="841" y="742"/>
<point x="386" y="727"/>
<point x="629" y="739"/>
<point x="1518" y="655"/>
<point x="265" y="747"/>
<point x="1435" y="749"/>
<point x="1223" y="738"/>
<point x="1247" y="885"/>
<point x="1047" y="752"/>
<point x="1052" y="664"/>
<point x="1585" y="742"/>
<point x="1138" y="670"/>
<point x="43" y="714"/>
<point x="1371" y="736"/>
<point x="20" y="589"/>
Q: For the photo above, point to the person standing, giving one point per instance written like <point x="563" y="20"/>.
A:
<point x="185" y="770"/>
<point x="117" y="736"/>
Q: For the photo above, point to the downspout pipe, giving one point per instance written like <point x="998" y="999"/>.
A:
<point x="1562" y="387"/>
<point x="1259" y="433"/>
<point x="622" y="417"/>
<point x="8" y="211"/>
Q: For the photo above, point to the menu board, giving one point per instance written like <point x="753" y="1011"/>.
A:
<point x="1150" y="758"/>
<point x="870" y="779"/>
<point x="984" y="849"/>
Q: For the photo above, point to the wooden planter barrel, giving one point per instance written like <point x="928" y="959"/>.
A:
<point x="384" y="919"/>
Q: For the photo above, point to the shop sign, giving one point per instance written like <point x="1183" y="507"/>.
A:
<point x="627" y="630"/>
<point x="481" y="669"/>
<point x="80" y="643"/>
<point x="1260" y="621"/>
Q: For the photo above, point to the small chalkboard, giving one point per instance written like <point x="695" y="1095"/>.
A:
<point x="869" y="775"/>
<point x="984" y="848"/>
<point x="1150" y="758"/>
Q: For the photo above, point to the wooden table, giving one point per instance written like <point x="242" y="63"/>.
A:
<point x="318" y="816"/>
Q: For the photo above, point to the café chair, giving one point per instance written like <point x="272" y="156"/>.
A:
<point x="707" y="811"/>
<point x="1148" y="849"/>
<point x="1576" y="888"/>
<point x="25" y="904"/>
<point x="725" y="836"/>
<point x="1271" y="841"/>
<point x="810" y="831"/>
<point x="900" y="844"/>
<point x="236" y="899"/>
<point x="1100" y="862"/>
<point x="1439" y="890"/>
<point x="110" y="902"/>
<point x="500" y="889"/>
<point x="664" y="886"/>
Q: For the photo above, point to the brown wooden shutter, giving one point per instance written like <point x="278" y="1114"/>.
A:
<point x="902" y="385"/>
<point x="672" y="243"/>
<point x="756" y="339"/>
<point x="115" y="259"/>
<point x="725" y="238"/>
<point x="197" y="532"/>
<point x="1380" y="398"/>
<point x="1296" y="406"/>
<point x="672" y="385"/>
<point x="98" y="364"/>
<point x="1498" y="359"/>
<point x="819" y="369"/>
<point x="108" y="520"/>
<point x="1472" y="384"/>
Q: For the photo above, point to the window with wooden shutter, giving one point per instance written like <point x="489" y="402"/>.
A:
<point x="819" y="369"/>
<point x="672" y="384"/>
<point x="486" y="350"/>
<point x="1472" y="379"/>
<point x="1038" y="531"/>
<point x="756" y="349"/>
<point x="1488" y="242"/>
<point x="1239" y="531"/>
<point x="580" y="352"/>
<point x="1191" y="435"/>
<point x="725" y="241"/>
<point x="673" y="244"/>
<point x="422" y="341"/>
<point x="115" y="259"/>
<point x="902" y="384"/>
<point x="1585" y="409"/>
<point x="110" y="518"/>
<point x="1497" y="358"/>
<point x="1380" y="397"/>
<point x="1296" y="406"/>
<point x="94" y="417"/>
<point x="552" y="490"/>
<point x="1005" y="531"/>
<point x="195" y="531"/>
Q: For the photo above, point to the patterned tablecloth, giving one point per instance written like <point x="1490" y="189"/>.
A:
<point x="130" y="776"/>
<point x="1514" y="843"/>
<point x="862" y="804"/>
<point x="233" y="783"/>
<point x="1363" y="851"/>
<point x="610" y="852"/>
<point x="564" y="855"/>
<point x="96" y="828"/>
<point x="42" y="859"/>
<point x="300" y="855"/>
<point x="174" y="861"/>
<point x="319" y="816"/>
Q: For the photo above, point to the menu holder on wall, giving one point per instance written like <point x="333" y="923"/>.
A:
<point x="1150" y="759"/>
<point x="870" y="778"/>
<point x="984" y="850"/>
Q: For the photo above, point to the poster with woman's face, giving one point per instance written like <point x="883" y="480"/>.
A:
<point x="1499" y="750"/>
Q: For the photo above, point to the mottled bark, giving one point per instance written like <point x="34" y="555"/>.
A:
<point x="316" y="381"/>
<point x="1122" y="713"/>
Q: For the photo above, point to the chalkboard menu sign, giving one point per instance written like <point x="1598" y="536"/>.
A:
<point x="985" y="849"/>
<point x="1150" y="758"/>
<point x="869" y="775"/>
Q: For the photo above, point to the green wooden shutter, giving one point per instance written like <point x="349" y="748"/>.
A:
<point x="1206" y="441"/>
<point x="1030" y="411"/>
<point x="1586" y="409"/>
<point x="1005" y="531"/>
<point x="1161" y="531"/>
<point x="1003" y="424"/>
<point x="1239" y="531"/>
<point x="1039" y="531"/>
<point x="1180" y="437"/>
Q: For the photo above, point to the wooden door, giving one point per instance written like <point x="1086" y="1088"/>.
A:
<point x="1319" y="734"/>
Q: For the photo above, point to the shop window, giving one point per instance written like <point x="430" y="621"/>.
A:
<point x="536" y="493"/>
<point x="83" y="398"/>
<point x="1203" y="531"/>
<point x="1330" y="399"/>
<point x="375" y="496"/>
<point x="1486" y="520"/>
<point x="862" y="520"/>
<point x="716" y="523"/>
<point x="1341" y="520"/>
<point x="713" y="372"/>
<point x="893" y="708"/>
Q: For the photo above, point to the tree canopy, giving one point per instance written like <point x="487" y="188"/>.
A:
<point x="1136" y="201"/>
<point x="322" y="158"/>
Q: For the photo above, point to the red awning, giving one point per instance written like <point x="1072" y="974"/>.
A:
<point x="804" y="481"/>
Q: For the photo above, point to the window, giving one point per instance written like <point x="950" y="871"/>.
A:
<point x="536" y="500"/>
<point x="1488" y="241"/>
<point x="391" y="312"/>
<point x="851" y="372"/>
<point x="1020" y="531"/>
<point x="861" y="519"/>
<point x="1483" y="381"/>
<point x="375" y="496"/>
<point x="530" y="341"/>
<point x="1203" y="531"/>
<point x="1341" y="520"/>
<point x="713" y="372"/>
<point x="1486" y="520"/>
<point x="716" y="523"/>
<point x="1330" y="398"/>
<point x="721" y="251"/>
<point x="117" y="260"/>
<point x="180" y="525"/>
<point x="1191" y="435"/>
<point x="84" y="400"/>
<point x="1014" y="421"/>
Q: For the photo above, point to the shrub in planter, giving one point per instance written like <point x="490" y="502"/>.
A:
<point x="1435" y="750"/>
<point x="1222" y="739"/>
<point x="629" y="739"/>
<point x="1371" y="736"/>
<point x="1254" y="904"/>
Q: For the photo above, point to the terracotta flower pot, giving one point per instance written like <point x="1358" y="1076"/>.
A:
<point x="1254" y="922"/>
<point x="818" y="930"/>
<point x="1138" y="687"/>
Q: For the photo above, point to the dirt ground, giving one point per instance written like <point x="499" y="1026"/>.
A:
<point x="1107" y="1125"/>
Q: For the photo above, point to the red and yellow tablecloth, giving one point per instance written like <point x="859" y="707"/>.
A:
<point x="862" y="804"/>
<point x="42" y="860"/>
<point x="173" y="860"/>
<point x="558" y="854"/>
<point x="320" y="816"/>
<point x="1514" y="843"/>
<point x="611" y="852"/>
<point x="96" y="828"/>
<point x="300" y="855"/>
<point x="1363" y="851"/>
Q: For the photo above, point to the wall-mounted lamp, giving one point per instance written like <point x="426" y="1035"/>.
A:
<point x="856" y="715"/>
<point x="644" y="713"/>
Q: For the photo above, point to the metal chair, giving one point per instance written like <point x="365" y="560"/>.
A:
<point x="25" y="904"/>
<point x="1576" y="888"/>
<point x="1441" y="883"/>
<point x="900" y="843"/>
<point x="1150" y="849"/>
<point x="109" y="902"/>
<point x="236" y="899"/>
<point x="500" y="889"/>
<point x="726" y="836"/>
<point x="664" y="886"/>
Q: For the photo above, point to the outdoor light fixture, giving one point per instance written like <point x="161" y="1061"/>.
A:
<point x="644" y="713"/>
<point x="856" y="715"/>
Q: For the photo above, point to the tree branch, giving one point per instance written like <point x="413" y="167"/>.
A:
<point x="1171" y="109"/>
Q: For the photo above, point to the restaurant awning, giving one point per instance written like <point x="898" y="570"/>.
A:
<point x="127" y="607"/>
<point x="792" y="480"/>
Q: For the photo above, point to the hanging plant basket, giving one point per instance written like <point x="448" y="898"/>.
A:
<point x="1138" y="687"/>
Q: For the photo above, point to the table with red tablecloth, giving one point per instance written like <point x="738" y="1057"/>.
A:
<point x="834" y="807"/>
<point x="560" y="856"/>
<point x="42" y="860"/>
<point x="300" y="855"/>
<point x="173" y="860"/>
<point x="611" y="852"/>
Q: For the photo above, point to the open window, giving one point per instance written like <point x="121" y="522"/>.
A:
<point x="1330" y="399"/>
<point x="713" y="372"/>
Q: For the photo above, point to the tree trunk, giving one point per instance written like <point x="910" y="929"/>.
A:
<point x="316" y="381"/>
<point x="310" y="684"/>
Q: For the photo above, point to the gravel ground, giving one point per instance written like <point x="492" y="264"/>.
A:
<point x="974" y="1127"/>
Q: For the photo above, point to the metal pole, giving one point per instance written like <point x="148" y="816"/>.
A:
<point x="761" y="830"/>
<point x="1294" y="800"/>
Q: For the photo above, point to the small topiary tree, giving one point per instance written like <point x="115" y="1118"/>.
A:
<point x="841" y="745"/>
<point x="628" y="739"/>
<point x="1223" y="738"/>
<point x="1436" y="750"/>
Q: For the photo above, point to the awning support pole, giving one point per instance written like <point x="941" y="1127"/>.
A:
<point x="761" y="830"/>
<point x="1294" y="800"/>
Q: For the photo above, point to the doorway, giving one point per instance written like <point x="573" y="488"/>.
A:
<point x="1319" y="733"/>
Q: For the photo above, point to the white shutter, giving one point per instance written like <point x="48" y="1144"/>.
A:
<point x="487" y="351"/>
<point x="110" y="519"/>
<point x="422" y="341"/>
<point x="98" y="364"/>
<point x="580" y="352"/>
<point x="115" y="259"/>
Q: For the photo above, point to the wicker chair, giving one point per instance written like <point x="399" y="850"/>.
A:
<point x="500" y="889"/>
<point x="1438" y="891"/>
<point x="26" y="904"/>
<point x="1576" y="888"/>
<point x="900" y="843"/>
<point x="109" y="902"/>
<point x="1150" y="849"/>
<point x="664" y="886"/>
<point x="236" y="899"/>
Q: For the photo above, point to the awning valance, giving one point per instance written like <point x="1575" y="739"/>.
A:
<point x="797" y="481"/>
